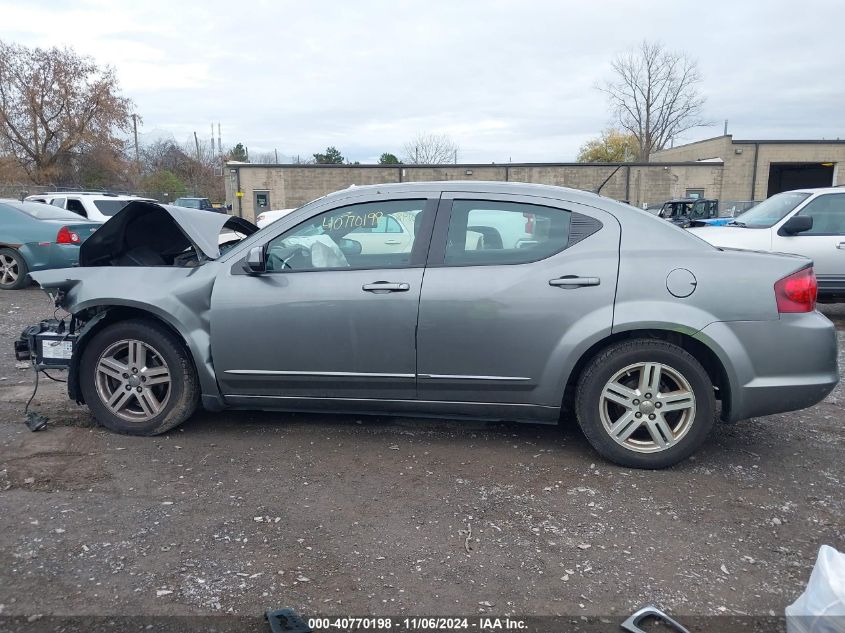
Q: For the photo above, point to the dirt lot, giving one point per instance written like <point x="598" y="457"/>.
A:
<point x="240" y="512"/>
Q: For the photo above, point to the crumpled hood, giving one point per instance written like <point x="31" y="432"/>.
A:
<point x="161" y="228"/>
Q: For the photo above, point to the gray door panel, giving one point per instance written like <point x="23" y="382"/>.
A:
<point x="503" y="333"/>
<point x="316" y="334"/>
<point x="335" y="333"/>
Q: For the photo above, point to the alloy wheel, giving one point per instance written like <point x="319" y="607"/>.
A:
<point x="133" y="380"/>
<point x="647" y="407"/>
<point x="8" y="270"/>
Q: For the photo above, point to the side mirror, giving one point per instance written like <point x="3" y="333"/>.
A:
<point x="255" y="264"/>
<point x="796" y="224"/>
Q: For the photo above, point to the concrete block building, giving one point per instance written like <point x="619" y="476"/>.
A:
<point x="716" y="168"/>
<point x="757" y="169"/>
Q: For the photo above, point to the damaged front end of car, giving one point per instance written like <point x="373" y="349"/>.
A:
<point x="148" y="262"/>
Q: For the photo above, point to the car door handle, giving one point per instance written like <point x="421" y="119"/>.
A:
<point x="385" y="286"/>
<point x="392" y="242"/>
<point x="571" y="281"/>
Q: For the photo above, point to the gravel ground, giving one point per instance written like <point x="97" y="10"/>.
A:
<point x="239" y="512"/>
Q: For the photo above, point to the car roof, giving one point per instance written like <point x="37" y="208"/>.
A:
<point x="839" y="189"/>
<point x="477" y="186"/>
<point x="88" y="194"/>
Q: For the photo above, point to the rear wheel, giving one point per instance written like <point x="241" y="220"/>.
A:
<point x="645" y="404"/>
<point x="137" y="378"/>
<point x="14" y="273"/>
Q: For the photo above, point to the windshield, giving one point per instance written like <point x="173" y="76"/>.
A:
<point x="771" y="211"/>
<point x="110" y="207"/>
<point x="42" y="211"/>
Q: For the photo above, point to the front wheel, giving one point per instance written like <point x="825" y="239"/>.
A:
<point x="138" y="379"/>
<point x="645" y="403"/>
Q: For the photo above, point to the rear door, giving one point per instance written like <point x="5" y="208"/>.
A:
<point x="495" y="319"/>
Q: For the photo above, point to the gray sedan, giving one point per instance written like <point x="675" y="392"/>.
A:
<point x="563" y="303"/>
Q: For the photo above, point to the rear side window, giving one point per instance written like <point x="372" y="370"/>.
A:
<point x="828" y="213"/>
<point x="76" y="206"/>
<point x="110" y="207"/>
<point x="483" y="232"/>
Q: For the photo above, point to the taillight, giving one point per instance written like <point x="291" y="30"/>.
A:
<point x="66" y="236"/>
<point x="797" y="292"/>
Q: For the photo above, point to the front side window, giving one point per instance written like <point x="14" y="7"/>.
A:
<point x="368" y="235"/>
<point x="483" y="232"/>
<point x="828" y="213"/>
<point x="58" y="202"/>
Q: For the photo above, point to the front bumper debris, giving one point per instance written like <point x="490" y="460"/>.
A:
<point x="47" y="345"/>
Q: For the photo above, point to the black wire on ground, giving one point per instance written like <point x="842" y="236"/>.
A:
<point x="32" y="397"/>
<point x="34" y="421"/>
<point x="51" y="378"/>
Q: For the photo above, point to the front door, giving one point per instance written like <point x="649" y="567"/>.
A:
<point x="330" y="318"/>
<point x="498" y="315"/>
<point x="824" y="243"/>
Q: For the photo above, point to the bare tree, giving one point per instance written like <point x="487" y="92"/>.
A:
<point x="430" y="149"/>
<point x="654" y="95"/>
<point x="55" y="105"/>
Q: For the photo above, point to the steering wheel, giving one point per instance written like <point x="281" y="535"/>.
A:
<point x="283" y="262"/>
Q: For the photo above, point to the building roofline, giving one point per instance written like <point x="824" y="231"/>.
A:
<point x="734" y="141"/>
<point x="790" y="142"/>
<point x="689" y="163"/>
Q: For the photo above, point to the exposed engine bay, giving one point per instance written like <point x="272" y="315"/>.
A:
<point x="149" y="234"/>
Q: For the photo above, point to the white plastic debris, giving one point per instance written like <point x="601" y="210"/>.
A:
<point x="821" y="608"/>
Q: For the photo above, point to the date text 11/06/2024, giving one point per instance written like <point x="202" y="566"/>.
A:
<point x="416" y="624"/>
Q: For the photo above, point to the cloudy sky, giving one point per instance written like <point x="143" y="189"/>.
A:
<point x="508" y="80"/>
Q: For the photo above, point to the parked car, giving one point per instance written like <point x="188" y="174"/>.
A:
<point x="609" y="312"/>
<point x="808" y="222"/>
<point x="95" y="206"/>
<point x="686" y="211"/>
<point x="203" y="204"/>
<point x="268" y="217"/>
<point x="36" y="236"/>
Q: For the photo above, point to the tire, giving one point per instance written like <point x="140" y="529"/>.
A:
<point x="672" y="423"/>
<point x="12" y="264"/>
<point x="163" y="392"/>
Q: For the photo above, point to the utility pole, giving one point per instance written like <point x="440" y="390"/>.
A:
<point x="726" y="127"/>
<point x="135" y="131"/>
<point x="277" y="155"/>
<point x="197" y="143"/>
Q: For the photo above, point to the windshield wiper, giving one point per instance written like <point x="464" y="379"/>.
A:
<point x="740" y="224"/>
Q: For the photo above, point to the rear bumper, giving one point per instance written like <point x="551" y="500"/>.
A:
<point x="775" y="366"/>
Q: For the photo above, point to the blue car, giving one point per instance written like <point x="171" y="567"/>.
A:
<point x="37" y="236"/>
<point x="714" y="222"/>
